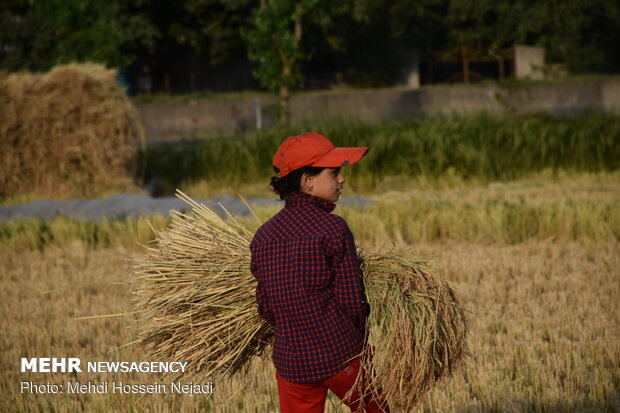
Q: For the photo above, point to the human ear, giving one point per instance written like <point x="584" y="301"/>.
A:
<point x="306" y="183"/>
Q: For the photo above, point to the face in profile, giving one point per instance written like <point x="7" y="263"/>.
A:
<point x="327" y="185"/>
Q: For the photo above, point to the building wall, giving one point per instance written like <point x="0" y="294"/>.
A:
<point x="529" y="62"/>
<point x="204" y="118"/>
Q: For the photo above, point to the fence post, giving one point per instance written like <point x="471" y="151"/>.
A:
<point x="259" y="118"/>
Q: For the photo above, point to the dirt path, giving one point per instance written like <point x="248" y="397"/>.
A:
<point x="133" y="205"/>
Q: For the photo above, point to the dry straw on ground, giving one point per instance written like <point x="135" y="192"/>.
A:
<point x="194" y="300"/>
<point x="69" y="132"/>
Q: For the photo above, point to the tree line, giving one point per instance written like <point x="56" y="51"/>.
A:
<point x="356" y="42"/>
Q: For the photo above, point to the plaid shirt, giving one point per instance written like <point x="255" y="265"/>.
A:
<point x="309" y="288"/>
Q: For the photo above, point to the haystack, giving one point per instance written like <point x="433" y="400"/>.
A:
<point x="69" y="132"/>
<point x="194" y="300"/>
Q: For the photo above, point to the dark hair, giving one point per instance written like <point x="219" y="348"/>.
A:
<point x="292" y="181"/>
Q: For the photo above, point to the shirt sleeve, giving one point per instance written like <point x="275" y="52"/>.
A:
<point x="264" y="309"/>
<point x="348" y="285"/>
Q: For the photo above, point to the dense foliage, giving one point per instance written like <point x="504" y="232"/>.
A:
<point x="360" y="42"/>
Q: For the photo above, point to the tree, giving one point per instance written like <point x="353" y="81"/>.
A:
<point x="374" y="43"/>
<point x="583" y="34"/>
<point x="213" y="28"/>
<point x="37" y="34"/>
<point x="274" y="42"/>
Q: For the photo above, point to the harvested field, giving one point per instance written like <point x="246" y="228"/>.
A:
<point x="545" y="332"/>
<point x="544" y="312"/>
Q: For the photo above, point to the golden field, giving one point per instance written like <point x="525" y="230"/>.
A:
<point x="536" y="261"/>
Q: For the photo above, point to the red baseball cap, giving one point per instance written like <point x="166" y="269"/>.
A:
<point x="313" y="149"/>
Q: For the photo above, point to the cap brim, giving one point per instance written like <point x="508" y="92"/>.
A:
<point x="339" y="157"/>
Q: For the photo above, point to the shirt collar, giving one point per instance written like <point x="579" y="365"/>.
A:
<point x="300" y="199"/>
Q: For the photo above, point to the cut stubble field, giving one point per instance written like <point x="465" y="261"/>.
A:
<point x="544" y="325"/>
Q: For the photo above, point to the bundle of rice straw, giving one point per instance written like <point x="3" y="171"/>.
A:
<point x="194" y="296"/>
<point x="417" y="329"/>
<point x="195" y="301"/>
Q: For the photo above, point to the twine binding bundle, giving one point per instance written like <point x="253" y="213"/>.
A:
<point x="194" y="300"/>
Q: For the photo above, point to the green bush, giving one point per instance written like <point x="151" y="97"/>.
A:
<point x="480" y="147"/>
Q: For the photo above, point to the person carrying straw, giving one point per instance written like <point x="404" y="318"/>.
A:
<point x="309" y="283"/>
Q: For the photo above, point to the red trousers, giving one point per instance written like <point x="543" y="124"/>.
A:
<point x="310" y="397"/>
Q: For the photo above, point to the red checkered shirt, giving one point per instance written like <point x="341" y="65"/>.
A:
<point x="309" y="288"/>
